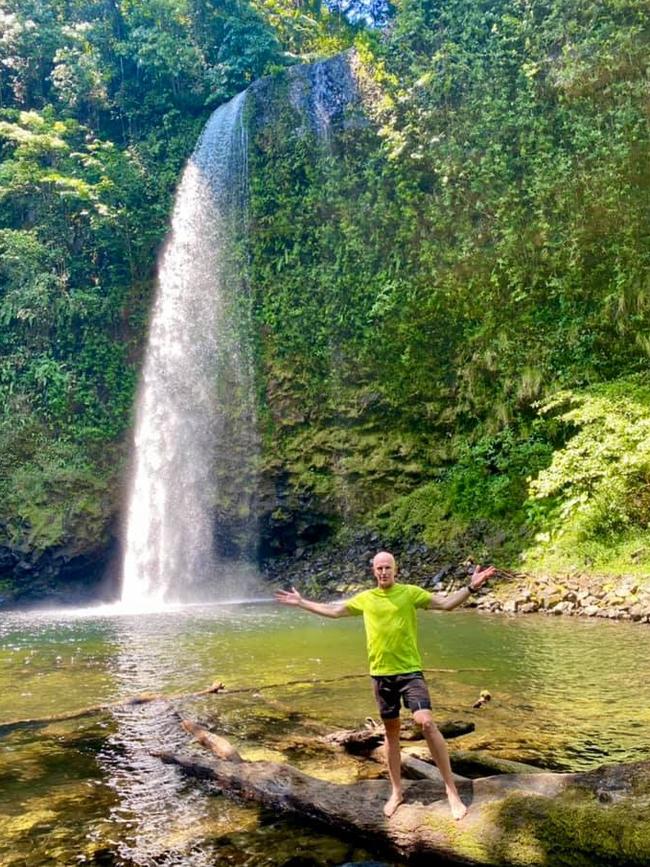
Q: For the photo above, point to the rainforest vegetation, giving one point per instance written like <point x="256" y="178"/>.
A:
<point x="451" y="299"/>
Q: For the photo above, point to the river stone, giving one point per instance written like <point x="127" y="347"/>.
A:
<point x="550" y="600"/>
<point x="484" y="601"/>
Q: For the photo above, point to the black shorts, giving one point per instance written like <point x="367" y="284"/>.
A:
<point x="408" y="688"/>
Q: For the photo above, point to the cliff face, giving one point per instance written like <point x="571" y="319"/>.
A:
<point x="447" y="250"/>
<point x="99" y="110"/>
<point x="332" y="451"/>
<point x="448" y="264"/>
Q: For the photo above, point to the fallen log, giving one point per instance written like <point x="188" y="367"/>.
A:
<point x="369" y="742"/>
<point x="217" y="745"/>
<point x="131" y="701"/>
<point x="483" y="763"/>
<point x="415" y="768"/>
<point x="474" y="763"/>
<point x="532" y="819"/>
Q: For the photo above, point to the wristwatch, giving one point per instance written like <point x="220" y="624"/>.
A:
<point x="472" y="589"/>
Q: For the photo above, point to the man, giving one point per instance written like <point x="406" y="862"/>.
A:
<point x="389" y="612"/>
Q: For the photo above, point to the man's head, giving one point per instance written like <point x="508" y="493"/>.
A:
<point x="384" y="569"/>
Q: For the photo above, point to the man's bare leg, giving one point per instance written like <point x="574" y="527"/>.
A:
<point x="392" y="727"/>
<point x="440" y="755"/>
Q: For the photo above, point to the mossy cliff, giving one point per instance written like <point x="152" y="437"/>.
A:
<point x="448" y="261"/>
<point x="448" y="284"/>
<point x="99" y="109"/>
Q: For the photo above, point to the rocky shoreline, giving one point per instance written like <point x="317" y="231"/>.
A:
<point x="340" y="568"/>
<point x="581" y="596"/>
<point x="332" y="571"/>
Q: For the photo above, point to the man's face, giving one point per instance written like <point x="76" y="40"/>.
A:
<point x="383" y="568"/>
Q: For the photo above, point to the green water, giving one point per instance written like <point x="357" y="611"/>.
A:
<point x="567" y="694"/>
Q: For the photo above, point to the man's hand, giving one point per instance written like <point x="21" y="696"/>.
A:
<point x="288" y="597"/>
<point x="480" y="576"/>
<point x="325" y="609"/>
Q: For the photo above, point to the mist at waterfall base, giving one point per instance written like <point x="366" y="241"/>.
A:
<point x="195" y="444"/>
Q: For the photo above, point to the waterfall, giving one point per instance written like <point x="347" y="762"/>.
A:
<point x="195" y="433"/>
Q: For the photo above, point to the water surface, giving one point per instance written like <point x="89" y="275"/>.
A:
<point x="567" y="694"/>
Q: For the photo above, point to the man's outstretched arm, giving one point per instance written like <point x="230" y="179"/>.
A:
<point x="448" y="603"/>
<point x="325" y="609"/>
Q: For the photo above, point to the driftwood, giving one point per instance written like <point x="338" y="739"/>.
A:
<point x="369" y="742"/>
<point x="487" y="763"/>
<point x="415" y="768"/>
<point x="475" y="763"/>
<point x="512" y="819"/>
<point x="217" y="745"/>
<point x="143" y="698"/>
<point x="366" y="739"/>
<point x="417" y="763"/>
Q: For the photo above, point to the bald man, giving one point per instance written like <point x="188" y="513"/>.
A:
<point x="389" y="613"/>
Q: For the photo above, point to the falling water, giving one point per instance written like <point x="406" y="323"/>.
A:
<point x="195" y="422"/>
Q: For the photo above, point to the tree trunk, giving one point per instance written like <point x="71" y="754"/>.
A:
<point x="517" y="819"/>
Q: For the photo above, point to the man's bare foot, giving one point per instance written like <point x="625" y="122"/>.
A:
<point x="392" y="804"/>
<point x="458" y="809"/>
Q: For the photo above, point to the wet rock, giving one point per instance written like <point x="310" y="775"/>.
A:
<point x="58" y="577"/>
<point x="562" y="608"/>
<point x="551" y="599"/>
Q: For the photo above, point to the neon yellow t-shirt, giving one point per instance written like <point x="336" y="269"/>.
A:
<point x="391" y="626"/>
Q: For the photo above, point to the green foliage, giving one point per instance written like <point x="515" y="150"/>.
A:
<point x="61" y="300"/>
<point x="575" y="494"/>
<point x="468" y="243"/>
<point x="594" y="497"/>
<point x="53" y="491"/>
<point x="473" y="245"/>
<point x="59" y="498"/>
<point x="487" y="486"/>
<point x="100" y="106"/>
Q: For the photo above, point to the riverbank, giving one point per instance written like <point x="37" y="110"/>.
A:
<point x="328" y="572"/>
